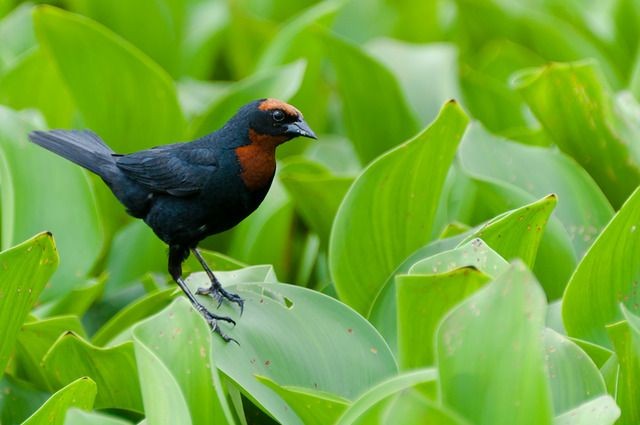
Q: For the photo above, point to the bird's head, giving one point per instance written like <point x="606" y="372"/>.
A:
<point x="273" y="121"/>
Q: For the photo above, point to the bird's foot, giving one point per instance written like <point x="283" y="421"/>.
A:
<point x="218" y="293"/>
<point x="213" y="319"/>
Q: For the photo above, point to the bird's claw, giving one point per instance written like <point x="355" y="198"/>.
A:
<point x="213" y="319"/>
<point x="219" y="294"/>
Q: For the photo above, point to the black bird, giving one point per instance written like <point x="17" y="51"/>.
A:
<point x="188" y="191"/>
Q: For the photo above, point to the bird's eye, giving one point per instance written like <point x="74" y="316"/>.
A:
<point x="278" y="115"/>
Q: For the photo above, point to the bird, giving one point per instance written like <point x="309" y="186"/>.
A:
<point x="187" y="191"/>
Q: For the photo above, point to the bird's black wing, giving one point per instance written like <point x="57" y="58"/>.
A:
<point x="172" y="169"/>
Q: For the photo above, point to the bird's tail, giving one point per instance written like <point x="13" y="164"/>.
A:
<point x="83" y="147"/>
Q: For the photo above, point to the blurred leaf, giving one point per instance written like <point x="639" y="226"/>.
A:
<point x="625" y="336"/>
<point x="77" y="301"/>
<point x="597" y="353"/>
<point x="176" y="365"/>
<point x="426" y="72"/>
<point x="26" y="194"/>
<point x="265" y="237"/>
<point x="607" y="276"/>
<point x="135" y="251"/>
<point x="578" y="116"/>
<point x="360" y="266"/>
<point x="24" y="271"/>
<point x="366" y="408"/>
<point x="599" y="411"/>
<point x="147" y="112"/>
<point x="35" y="339"/>
<point x="281" y="336"/>
<point x="80" y="393"/>
<point x="132" y="314"/>
<point x="80" y="417"/>
<point x="18" y="400"/>
<point x="316" y="193"/>
<point x="281" y="83"/>
<point x="355" y="19"/>
<point x="485" y="347"/>
<point x="312" y="407"/>
<point x="112" y="369"/>
<point x="16" y="35"/>
<point x="388" y="120"/>
<point x="572" y="375"/>
<point x="583" y="209"/>
<point x="422" y="301"/>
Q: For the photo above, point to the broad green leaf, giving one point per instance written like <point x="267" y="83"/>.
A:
<point x="388" y="120"/>
<point x="80" y="417"/>
<point x="75" y="302"/>
<point x="80" y="393"/>
<point x="410" y="407"/>
<point x="607" y="276"/>
<point x="375" y="397"/>
<point x="316" y="193"/>
<point x="34" y="82"/>
<point x="573" y="377"/>
<point x="491" y="345"/>
<point x="24" y="271"/>
<point x="471" y="254"/>
<point x="411" y="63"/>
<point x="599" y="411"/>
<point x="175" y="360"/>
<point x="312" y="407"/>
<point x="113" y="369"/>
<point x="57" y="184"/>
<point x="582" y="209"/>
<point x="283" y="335"/>
<point x="16" y="35"/>
<point x="599" y="354"/>
<point x="35" y="339"/>
<point x="18" y="400"/>
<point x="132" y="314"/>
<point x="281" y="83"/>
<point x="422" y="301"/>
<point x="386" y="236"/>
<point x="625" y="336"/>
<point x="147" y="112"/>
<point x="585" y="130"/>
<point x="135" y="251"/>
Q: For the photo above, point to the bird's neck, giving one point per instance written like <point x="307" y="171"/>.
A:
<point x="258" y="159"/>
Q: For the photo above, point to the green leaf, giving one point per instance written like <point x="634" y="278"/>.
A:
<point x="586" y="130"/>
<point x="316" y="193"/>
<point x="312" y="407"/>
<point x="474" y="254"/>
<point x="24" y="271"/>
<point x="625" y="338"/>
<point x="80" y="417"/>
<point x="607" y="276"/>
<point x="281" y="83"/>
<point x="80" y="393"/>
<point x="573" y="377"/>
<point x="599" y="411"/>
<point x="18" y="400"/>
<point x="176" y="365"/>
<point x="517" y="233"/>
<point x="16" y="35"/>
<point x="422" y="301"/>
<point x="112" y="369"/>
<point x="283" y="335"/>
<point x="144" y="307"/>
<point x="25" y="194"/>
<point x="367" y="407"/>
<point x="410" y="63"/>
<point x="400" y="178"/>
<point x="35" y="339"/>
<point x="388" y="120"/>
<point x="77" y="301"/>
<point x="583" y="209"/>
<point x="148" y="113"/>
<point x="491" y="345"/>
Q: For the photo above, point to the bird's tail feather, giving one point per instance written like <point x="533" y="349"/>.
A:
<point x="83" y="147"/>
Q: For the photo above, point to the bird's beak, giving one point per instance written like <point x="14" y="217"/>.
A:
<point x="300" y="128"/>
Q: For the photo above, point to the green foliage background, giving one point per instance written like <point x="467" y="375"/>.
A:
<point x="451" y="262"/>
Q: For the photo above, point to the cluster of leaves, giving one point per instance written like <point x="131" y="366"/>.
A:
<point x="473" y="272"/>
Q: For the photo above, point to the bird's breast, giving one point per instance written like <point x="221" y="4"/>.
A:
<point x="257" y="162"/>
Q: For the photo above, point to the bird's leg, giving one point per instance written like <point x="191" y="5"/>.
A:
<point x="176" y="256"/>
<point x="216" y="290"/>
